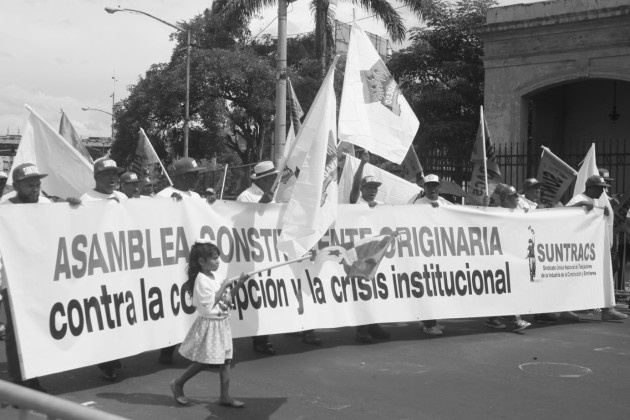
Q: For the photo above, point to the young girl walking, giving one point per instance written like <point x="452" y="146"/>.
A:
<point x="209" y="341"/>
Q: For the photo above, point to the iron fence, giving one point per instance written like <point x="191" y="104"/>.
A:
<point x="519" y="161"/>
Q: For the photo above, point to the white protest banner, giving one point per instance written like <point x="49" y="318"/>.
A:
<point x="393" y="190"/>
<point x="555" y="176"/>
<point x="69" y="173"/>
<point x="111" y="272"/>
<point x="373" y="113"/>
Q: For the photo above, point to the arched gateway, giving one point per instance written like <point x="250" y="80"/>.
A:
<point x="557" y="73"/>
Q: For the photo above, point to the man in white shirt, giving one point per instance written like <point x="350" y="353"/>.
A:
<point x="432" y="185"/>
<point x="594" y="187"/>
<point x="130" y="184"/>
<point x="27" y="184"/>
<point x="367" y="187"/>
<point x="106" y="175"/>
<point x="263" y="178"/>
<point x="530" y="200"/>
<point x="185" y="180"/>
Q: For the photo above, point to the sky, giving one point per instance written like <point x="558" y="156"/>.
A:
<point x="64" y="54"/>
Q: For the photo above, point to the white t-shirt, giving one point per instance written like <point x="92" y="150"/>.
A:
<point x="579" y="198"/>
<point x="41" y="200"/>
<point x="525" y="203"/>
<point x="168" y="192"/>
<point x="204" y="296"/>
<point x="94" y="195"/>
<point x="251" y="195"/>
<point x="425" y="200"/>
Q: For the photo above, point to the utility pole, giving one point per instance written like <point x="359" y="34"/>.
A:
<point x="280" y="127"/>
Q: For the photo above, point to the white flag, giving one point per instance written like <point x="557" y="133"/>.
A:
<point x="69" y="173"/>
<point x="373" y="112"/>
<point x="589" y="168"/>
<point x="393" y="189"/>
<point x="313" y="205"/>
<point x="290" y="168"/>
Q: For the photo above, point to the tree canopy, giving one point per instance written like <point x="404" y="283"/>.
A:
<point x="442" y="74"/>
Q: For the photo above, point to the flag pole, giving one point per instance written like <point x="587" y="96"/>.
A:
<point x="223" y="183"/>
<point x="483" y="142"/>
<point x="308" y="256"/>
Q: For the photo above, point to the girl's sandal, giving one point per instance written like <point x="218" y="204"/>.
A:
<point x="178" y="394"/>
<point x="233" y="403"/>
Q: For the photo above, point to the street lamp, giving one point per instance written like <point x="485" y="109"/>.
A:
<point x="180" y="29"/>
<point x="106" y="112"/>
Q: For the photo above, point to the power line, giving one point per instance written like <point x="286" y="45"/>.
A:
<point x="347" y="23"/>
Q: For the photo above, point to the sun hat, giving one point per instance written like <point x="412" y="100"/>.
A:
<point x="264" y="169"/>
<point x="26" y="171"/>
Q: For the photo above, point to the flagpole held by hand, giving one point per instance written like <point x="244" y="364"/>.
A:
<point x="483" y="142"/>
<point x="309" y="256"/>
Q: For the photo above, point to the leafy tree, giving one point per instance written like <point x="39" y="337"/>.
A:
<point x="383" y="10"/>
<point x="442" y="75"/>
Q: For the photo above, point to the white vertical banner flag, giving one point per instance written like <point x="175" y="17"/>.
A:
<point x="69" y="173"/>
<point x="589" y="168"/>
<point x="373" y="113"/>
<point x="289" y="168"/>
<point x="312" y="208"/>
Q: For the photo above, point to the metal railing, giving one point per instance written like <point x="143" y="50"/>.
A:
<point x="26" y="400"/>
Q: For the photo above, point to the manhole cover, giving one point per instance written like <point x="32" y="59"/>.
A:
<point x="559" y="370"/>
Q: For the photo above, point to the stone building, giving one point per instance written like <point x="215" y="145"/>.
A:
<point x="557" y="73"/>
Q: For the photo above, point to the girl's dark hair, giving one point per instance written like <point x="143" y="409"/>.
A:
<point x="198" y="250"/>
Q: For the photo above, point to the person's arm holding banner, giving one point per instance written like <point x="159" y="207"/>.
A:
<point x="358" y="176"/>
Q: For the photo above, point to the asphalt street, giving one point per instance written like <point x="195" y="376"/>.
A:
<point x="566" y="370"/>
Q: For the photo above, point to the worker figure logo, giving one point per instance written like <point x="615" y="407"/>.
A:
<point x="531" y="256"/>
<point x="380" y="86"/>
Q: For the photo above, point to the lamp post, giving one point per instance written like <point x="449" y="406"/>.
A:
<point x="87" y="108"/>
<point x="180" y="29"/>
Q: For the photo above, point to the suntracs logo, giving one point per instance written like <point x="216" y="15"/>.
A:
<point x="380" y="86"/>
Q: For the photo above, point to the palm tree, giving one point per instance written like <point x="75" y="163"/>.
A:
<point x="324" y="16"/>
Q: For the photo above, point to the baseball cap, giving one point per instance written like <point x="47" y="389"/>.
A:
<point x="530" y="183"/>
<point x="605" y="173"/>
<point x="504" y="190"/>
<point x="128" y="177"/>
<point x="26" y="171"/>
<point x="370" y="179"/>
<point x="106" y="164"/>
<point x="185" y="165"/>
<point x="210" y="191"/>
<point x="596" y="181"/>
<point x="431" y="178"/>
